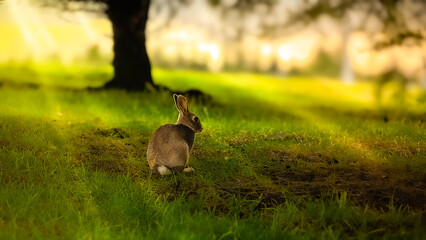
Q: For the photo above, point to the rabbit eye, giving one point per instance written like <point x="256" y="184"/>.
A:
<point x="196" y="119"/>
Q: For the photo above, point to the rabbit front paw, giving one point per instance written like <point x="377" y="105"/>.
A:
<point x="188" y="169"/>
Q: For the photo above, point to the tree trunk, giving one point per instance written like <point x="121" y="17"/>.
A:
<point x="132" y="69"/>
<point x="346" y="71"/>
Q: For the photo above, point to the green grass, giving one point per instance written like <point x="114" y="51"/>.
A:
<point x="279" y="158"/>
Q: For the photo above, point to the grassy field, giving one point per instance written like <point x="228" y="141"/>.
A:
<point x="279" y="158"/>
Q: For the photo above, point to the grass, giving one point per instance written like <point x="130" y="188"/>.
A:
<point x="279" y="158"/>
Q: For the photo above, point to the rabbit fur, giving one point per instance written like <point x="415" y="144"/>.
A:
<point x="170" y="145"/>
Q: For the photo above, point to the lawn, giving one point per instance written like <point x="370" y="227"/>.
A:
<point x="279" y="158"/>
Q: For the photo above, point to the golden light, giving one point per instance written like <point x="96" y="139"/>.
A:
<point x="285" y="52"/>
<point x="211" y="49"/>
<point x="214" y="52"/>
<point x="202" y="47"/>
<point x="85" y="24"/>
<point x="294" y="50"/>
<point x="267" y="56"/>
<point x="170" y="50"/>
<point x="266" y="50"/>
<point x="27" y="33"/>
<point x="410" y="61"/>
<point x="38" y="33"/>
<point x="34" y="32"/>
<point x="297" y="52"/>
<point x="365" y="59"/>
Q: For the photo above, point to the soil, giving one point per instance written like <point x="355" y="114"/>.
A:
<point x="310" y="176"/>
<point x="109" y="150"/>
<point x="375" y="185"/>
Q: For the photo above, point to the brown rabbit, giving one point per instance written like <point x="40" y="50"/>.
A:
<point x="169" y="147"/>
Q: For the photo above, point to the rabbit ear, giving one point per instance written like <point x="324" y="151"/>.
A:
<point x="181" y="103"/>
<point x="175" y="96"/>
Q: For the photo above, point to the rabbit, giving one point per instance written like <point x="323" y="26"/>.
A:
<point x="170" y="145"/>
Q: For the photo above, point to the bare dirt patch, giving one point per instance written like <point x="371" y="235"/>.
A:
<point x="372" y="185"/>
<point x="314" y="175"/>
<point x="373" y="188"/>
<point x="362" y="187"/>
<point x="279" y="136"/>
<point x="110" y="150"/>
<point x="116" y="133"/>
<point x="254" y="195"/>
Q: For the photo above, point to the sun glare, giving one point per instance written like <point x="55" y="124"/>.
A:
<point x="40" y="33"/>
<point x="214" y="52"/>
<point x="85" y="24"/>
<point x="285" y="52"/>
<point x="19" y="16"/>
<point x="266" y="50"/>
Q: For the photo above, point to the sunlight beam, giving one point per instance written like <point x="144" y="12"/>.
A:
<point x="29" y="37"/>
<point x="85" y="24"/>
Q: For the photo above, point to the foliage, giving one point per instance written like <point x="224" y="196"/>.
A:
<point x="400" y="20"/>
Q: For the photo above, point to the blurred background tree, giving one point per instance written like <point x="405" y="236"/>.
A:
<point x="368" y="38"/>
<point x="383" y="25"/>
<point x="397" y="21"/>
<point x="132" y="67"/>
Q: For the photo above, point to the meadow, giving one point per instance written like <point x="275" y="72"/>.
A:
<point x="279" y="158"/>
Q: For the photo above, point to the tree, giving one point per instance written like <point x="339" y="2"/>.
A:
<point x="131" y="63"/>
<point x="132" y="68"/>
